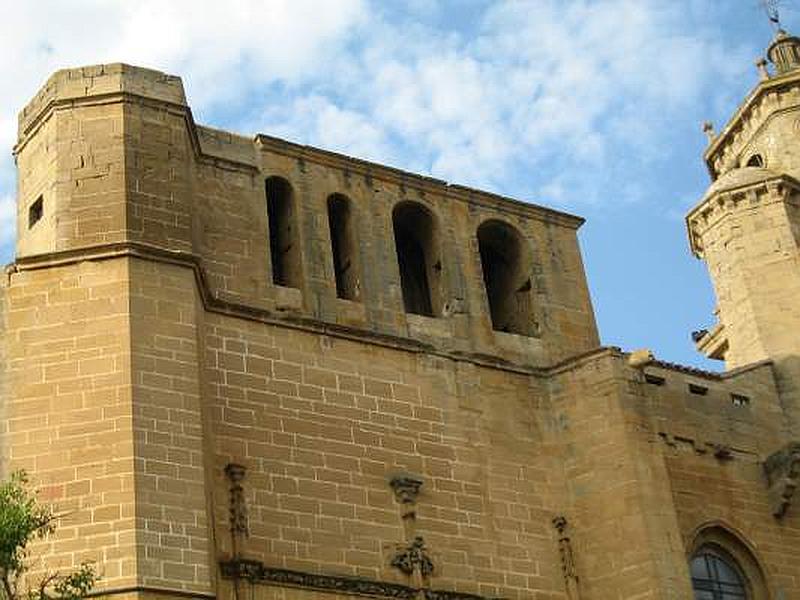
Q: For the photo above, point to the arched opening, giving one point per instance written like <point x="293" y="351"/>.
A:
<point x="283" y="245"/>
<point x="344" y="247"/>
<point x="755" y="161"/>
<point x="417" y="245"/>
<point x="722" y="567"/>
<point x="506" y="277"/>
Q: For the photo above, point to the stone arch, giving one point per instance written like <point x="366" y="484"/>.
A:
<point x="723" y="543"/>
<point x="344" y="247"/>
<point x="418" y="247"/>
<point x="505" y="264"/>
<point x="756" y="160"/>
<point x="283" y="241"/>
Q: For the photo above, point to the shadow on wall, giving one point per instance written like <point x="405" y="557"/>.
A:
<point x="416" y="236"/>
<point x="283" y="244"/>
<point x="505" y="262"/>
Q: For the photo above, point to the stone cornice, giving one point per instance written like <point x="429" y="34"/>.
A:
<point x="233" y="308"/>
<point x="160" y="592"/>
<point x="217" y="303"/>
<point x="755" y="96"/>
<point x="711" y="204"/>
<point x="202" y="156"/>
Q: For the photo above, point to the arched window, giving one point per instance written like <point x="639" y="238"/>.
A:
<point x="716" y="576"/>
<point x="755" y="161"/>
<point x="283" y="245"/>
<point x="344" y="247"/>
<point x="417" y="244"/>
<point x="723" y="567"/>
<point x="506" y="277"/>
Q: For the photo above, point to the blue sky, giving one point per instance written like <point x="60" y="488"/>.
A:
<point x="594" y="107"/>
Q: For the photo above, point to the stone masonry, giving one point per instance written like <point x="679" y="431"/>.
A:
<point x="243" y="366"/>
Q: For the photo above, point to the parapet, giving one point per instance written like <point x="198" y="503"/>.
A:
<point x="110" y="155"/>
<point x="97" y="81"/>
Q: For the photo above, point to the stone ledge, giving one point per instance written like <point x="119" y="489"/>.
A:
<point x="220" y="305"/>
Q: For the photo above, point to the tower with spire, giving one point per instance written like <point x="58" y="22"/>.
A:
<point x="747" y="225"/>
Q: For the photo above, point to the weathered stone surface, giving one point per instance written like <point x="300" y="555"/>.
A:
<point x="148" y="359"/>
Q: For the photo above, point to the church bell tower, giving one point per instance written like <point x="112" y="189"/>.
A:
<point x="747" y="225"/>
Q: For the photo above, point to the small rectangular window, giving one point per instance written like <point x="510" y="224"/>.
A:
<point x="700" y="390"/>
<point x="654" y="379"/>
<point x="35" y="212"/>
<point x="740" y="400"/>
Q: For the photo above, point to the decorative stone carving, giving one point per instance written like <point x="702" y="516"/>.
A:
<point x="443" y="595"/>
<point x="568" y="568"/>
<point x="761" y="65"/>
<point x="238" y="507"/>
<point x="414" y="556"/>
<point x="241" y="568"/>
<point x="708" y="129"/>
<point x="406" y="488"/>
<point x="256" y="572"/>
<point x="783" y="474"/>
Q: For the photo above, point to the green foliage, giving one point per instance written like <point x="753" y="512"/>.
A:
<point x="72" y="586"/>
<point x="22" y="521"/>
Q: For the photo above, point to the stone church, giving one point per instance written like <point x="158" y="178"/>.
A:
<point x="246" y="368"/>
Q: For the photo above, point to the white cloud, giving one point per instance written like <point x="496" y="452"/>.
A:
<point x="315" y="119"/>
<point x="544" y="86"/>
<point x="218" y="47"/>
<point x="541" y="97"/>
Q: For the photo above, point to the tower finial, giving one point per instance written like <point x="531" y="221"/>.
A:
<point x="771" y="8"/>
<point x="708" y="129"/>
<point x="761" y="65"/>
<point x="784" y="51"/>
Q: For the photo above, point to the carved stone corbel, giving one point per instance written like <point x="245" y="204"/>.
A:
<point x="783" y="475"/>
<point x="406" y="488"/>
<point x="414" y="557"/>
<point x="568" y="567"/>
<point x="238" y="507"/>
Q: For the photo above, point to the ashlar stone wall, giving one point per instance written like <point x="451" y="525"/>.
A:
<point x="200" y="422"/>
